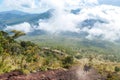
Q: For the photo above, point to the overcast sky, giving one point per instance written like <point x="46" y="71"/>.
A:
<point x="110" y="2"/>
<point x="35" y="5"/>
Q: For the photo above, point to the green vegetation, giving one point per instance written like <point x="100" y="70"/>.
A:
<point x="43" y="53"/>
<point x="27" y="56"/>
<point x="101" y="55"/>
<point x="78" y="47"/>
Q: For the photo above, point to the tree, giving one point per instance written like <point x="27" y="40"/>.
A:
<point x="17" y="34"/>
<point x="5" y="34"/>
<point x="117" y="69"/>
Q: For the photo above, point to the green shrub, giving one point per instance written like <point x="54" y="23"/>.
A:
<point x="117" y="69"/>
<point x="68" y="61"/>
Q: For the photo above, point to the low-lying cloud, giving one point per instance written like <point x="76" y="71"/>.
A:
<point x="63" y="20"/>
<point x="25" y="27"/>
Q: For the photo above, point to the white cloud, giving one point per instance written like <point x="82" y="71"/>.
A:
<point x="25" y="27"/>
<point x="59" y="23"/>
<point x="64" y="20"/>
<point x="19" y="3"/>
<point x="109" y="31"/>
<point x="33" y="6"/>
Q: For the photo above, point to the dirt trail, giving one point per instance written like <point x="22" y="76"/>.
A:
<point x="75" y="73"/>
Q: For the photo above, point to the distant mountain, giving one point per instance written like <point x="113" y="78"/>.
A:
<point x="91" y="22"/>
<point x="13" y="12"/>
<point x="11" y="18"/>
<point x="37" y="32"/>
<point x="75" y="11"/>
<point x="16" y="17"/>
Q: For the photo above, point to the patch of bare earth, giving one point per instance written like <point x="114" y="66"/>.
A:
<point x="75" y="73"/>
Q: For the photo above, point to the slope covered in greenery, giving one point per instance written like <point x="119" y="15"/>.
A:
<point x="102" y="55"/>
<point x="75" y="45"/>
<point x="27" y="56"/>
<point x="56" y="53"/>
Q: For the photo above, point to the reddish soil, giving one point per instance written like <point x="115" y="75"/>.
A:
<point x="71" y="74"/>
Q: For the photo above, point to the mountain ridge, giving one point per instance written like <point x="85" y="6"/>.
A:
<point x="16" y="17"/>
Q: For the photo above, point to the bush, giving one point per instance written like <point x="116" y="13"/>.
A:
<point x="68" y="61"/>
<point x="117" y="69"/>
